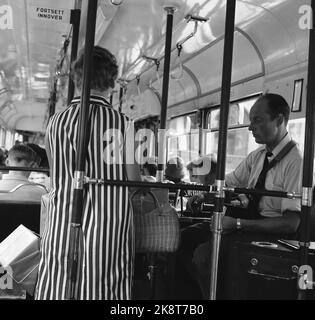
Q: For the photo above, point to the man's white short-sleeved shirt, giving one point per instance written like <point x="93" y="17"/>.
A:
<point x="286" y="176"/>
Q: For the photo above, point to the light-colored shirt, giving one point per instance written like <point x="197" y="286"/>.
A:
<point x="28" y="192"/>
<point x="148" y="178"/>
<point x="286" y="176"/>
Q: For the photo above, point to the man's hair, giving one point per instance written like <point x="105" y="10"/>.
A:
<point x="22" y="152"/>
<point x="41" y="156"/>
<point x="151" y="167"/>
<point x="104" y="69"/>
<point x="277" y="105"/>
<point x="175" y="169"/>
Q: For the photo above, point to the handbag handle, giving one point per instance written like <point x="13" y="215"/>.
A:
<point x="156" y="201"/>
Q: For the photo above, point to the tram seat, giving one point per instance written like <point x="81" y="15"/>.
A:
<point x="15" y="213"/>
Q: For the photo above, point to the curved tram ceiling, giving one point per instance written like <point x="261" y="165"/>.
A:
<point x="267" y="40"/>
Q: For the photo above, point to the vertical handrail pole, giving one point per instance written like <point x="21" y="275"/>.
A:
<point x="75" y="21"/>
<point x="308" y="158"/>
<point x="76" y="217"/>
<point x="220" y="172"/>
<point x="121" y="94"/>
<point x="166" y="72"/>
<point x="52" y="99"/>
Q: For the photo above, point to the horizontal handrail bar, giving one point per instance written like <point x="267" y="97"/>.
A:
<point x="267" y="193"/>
<point x="4" y="168"/>
<point x="150" y="184"/>
<point x="210" y="189"/>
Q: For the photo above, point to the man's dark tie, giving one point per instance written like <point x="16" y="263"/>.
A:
<point x="253" y="205"/>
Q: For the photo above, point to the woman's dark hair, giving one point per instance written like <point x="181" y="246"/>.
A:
<point x="104" y="69"/>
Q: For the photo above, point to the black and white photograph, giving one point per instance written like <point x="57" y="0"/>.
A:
<point x="156" y="155"/>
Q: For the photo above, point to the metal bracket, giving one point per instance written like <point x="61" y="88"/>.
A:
<point x="78" y="181"/>
<point x="220" y="189"/>
<point x="155" y="60"/>
<point x="170" y="10"/>
<point x="228" y="189"/>
<point x="307" y="197"/>
<point x="75" y="225"/>
<point x="293" y="195"/>
<point x="190" y="17"/>
<point x="195" y="19"/>
<point x="304" y="244"/>
<point x="216" y="222"/>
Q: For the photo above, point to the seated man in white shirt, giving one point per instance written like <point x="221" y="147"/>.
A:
<point x="275" y="217"/>
<point x="15" y="185"/>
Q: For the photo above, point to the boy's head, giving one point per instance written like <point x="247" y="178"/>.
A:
<point x="21" y="156"/>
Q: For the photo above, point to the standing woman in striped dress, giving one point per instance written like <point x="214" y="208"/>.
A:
<point x="106" y="266"/>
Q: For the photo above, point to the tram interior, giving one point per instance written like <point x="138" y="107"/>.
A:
<point x="270" y="54"/>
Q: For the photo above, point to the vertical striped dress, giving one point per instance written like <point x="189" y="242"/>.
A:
<point x="107" y="243"/>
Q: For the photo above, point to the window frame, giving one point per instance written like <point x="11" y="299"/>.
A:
<point x="207" y="112"/>
<point x="189" y="134"/>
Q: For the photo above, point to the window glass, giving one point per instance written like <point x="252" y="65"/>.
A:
<point x="9" y="140"/>
<point x="296" y="128"/>
<point x="240" y="141"/>
<point x="238" y="114"/>
<point x="184" y="124"/>
<point x="214" y="119"/>
<point x="183" y="138"/>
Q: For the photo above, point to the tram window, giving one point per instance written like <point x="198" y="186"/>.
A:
<point x="9" y="140"/>
<point x="296" y="128"/>
<point x="240" y="141"/>
<point x="183" y="138"/>
<point x="18" y="137"/>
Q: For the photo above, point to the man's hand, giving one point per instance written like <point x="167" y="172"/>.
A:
<point x="241" y="201"/>
<point x="195" y="202"/>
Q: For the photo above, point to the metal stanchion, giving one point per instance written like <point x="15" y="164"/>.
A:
<point x="75" y="21"/>
<point x="167" y="61"/>
<point x="81" y="151"/>
<point x="161" y="148"/>
<point x="308" y="159"/>
<point x="224" y="112"/>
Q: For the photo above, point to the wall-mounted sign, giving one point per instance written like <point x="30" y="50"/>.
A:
<point x="297" y="95"/>
<point x="49" y="14"/>
<point x="6" y="17"/>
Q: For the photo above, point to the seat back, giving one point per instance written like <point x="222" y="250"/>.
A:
<point x="12" y="214"/>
